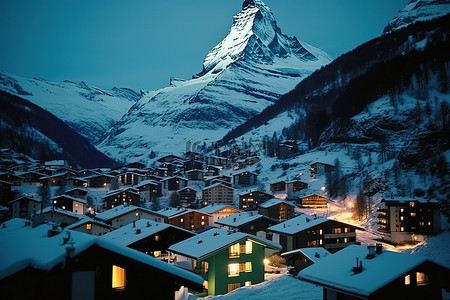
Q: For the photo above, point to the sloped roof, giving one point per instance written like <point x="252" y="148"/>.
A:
<point x="376" y="272"/>
<point x="273" y="202"/>
<point x="297" y="224"/>
<point x="25" y="246"/>
<point x="70" y="198"/>
<point x="239" y="219"/>
<point x="121" y="210"/>
<point x="215" y="207"/>
<point x="206" y="243"/>
<point x="312" y="253"/>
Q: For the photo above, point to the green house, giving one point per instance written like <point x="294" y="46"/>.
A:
<point x="225" y="259"/>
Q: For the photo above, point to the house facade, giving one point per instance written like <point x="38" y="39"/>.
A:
<point x="218" y="193"/>
<point x="149" y="190"/>
<point x="277" y="209"/>
<point x="292" y="187"/>
<point x="188" y="195"/>
<point x="125" y="214"/>
<point x="66" y="202"/>
<point x="251" y="200"/>
<point x="245" y="178"/>
<point x="121" y="196"/>
<point x="24" y="207"/>
<point x="218" y="211"/>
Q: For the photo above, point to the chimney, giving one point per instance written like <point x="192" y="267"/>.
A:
<point x="234" y="219"/>
<point x="148" y="224"/>
<point x="138" y="231"/>
<point x="317" y="255"/>
<point x="379" y="249"/>
<point x="371" y="249"/>
<point x="54" y="231"/>
<point x="358" y="268"/>
<point x="134" y="224"/>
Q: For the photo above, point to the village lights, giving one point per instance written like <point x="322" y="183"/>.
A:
<point x="266" y="261"/>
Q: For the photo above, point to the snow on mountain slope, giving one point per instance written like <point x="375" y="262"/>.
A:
<point x="247" y="71"/>
<point x="88" y="110"/>
<point x="417" y="11"/>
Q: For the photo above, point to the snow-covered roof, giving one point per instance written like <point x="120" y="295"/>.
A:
<point x="308" y="192"/>
<point x="70" y="198"/>
<point x="57" y="210"/>
<point x="254" y="191"/>
<point x="297" y="224"/>
<point x="244" y="171"/>
<point x="410" y="199"/>
<point x="273" y="202"/>
<point x="204" y="244"/>
<point x="312" y="253"/>
<point x="121" y="210"/>
<point x="6" y="182"/>
<point x="25" y="246"/>
<point x="376" y="272"/>
<point x="85" y="190"/>
<point x="217" y="185"/>
<point x="174" y="177"/>
<point x="189" y="187"/>
<point x="28" y="198"/>
<point x="54" y="175"/>
<point x="128" y="234"/>
<point x="118" y="191"/>
<point x="146" y="182"/>
<point x="87" y="220"/>
<point x="99" y="175"/>
<point x="215" y="207"/>
<point x="171" y="211"/>
<point x="239" y="219"/>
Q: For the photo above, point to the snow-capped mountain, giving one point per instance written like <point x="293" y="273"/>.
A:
<point x="416" y="11"/>
<point x="247" y="71"/>
<point x="88" y="110"/>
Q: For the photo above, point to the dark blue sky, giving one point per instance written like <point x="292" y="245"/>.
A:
<point x="142" y="43"/>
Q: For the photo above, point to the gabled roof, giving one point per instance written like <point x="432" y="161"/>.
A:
<point x="314" y="254"/>
<point x="28" y="198"/>
<point x="297" y="224"/>
<point x="409" y="199"/>
<point x="122" y="210"/>
<point x="89" y="220"/>
<point x="308" y="192"/>
<point x="146" y="182"/>
<point x="99" y="175"/>
<point x="70" y="198"/>
<point x="174" y="177"/>
<point x="244" y="171"/>
<point x="376" y="272"/>
<point x="127" y="189"/>
<point x="171" y="212"/>
<point x="6" y="182"/>
<point x="273" y="202"/>
<point x="210" y="241"/>
<point x="239" y="219"/>
<point x="25" y="247"/>
<point x="255" y="191"/>
<point x="67" y="213"/>
<point x="55" y="175"/>
<point x="215" y="207"/>
<point x="84" y="190"/>
<point x="189" y="187"/>
<point x="217" y="185"/>
<point x="138" y="230"/>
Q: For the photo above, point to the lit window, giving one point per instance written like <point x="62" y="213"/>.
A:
<point x="205" y="284"/>
<point x="118" y="277"/>
<point x="402" y="210"/>
<point x="248" y="283"/>
<point x="248" y="266"/>
<point x="181" y="220"/>
<point x="408" y="279"/>
<point x="346" y="229"/>
<point x="157" y="253"/>
<point x="320" y="241"/>
<point x="63" y="207"/>
<point x="421" y="278"/>
<point x="248" y="247"/>
<point x="234" y="250"/>
<point x="345" y="240"/>
<point x="203" y="223"/>
<point x="203" y="217"/>
<point x="402" y="228"/>
<point x="429" y="223"/>
<point x="233" y="286"/>
<point x="401" y="218"/>
<point x="320" y="231"/>
<point x="336" y="230"/>
<point x="413" y="214"/>
<point x="411" y="204"/>
<point x="88" y="226"/>
<point x="76" y="205"/>
<point x="137" y="214"/>
<point x="156" y="238"/>
<point x="233" y="270"/>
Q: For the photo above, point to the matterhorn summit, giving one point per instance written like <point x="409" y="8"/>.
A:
<point x="246" y="72"/>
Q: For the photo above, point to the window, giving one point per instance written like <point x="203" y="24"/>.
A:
<point x="402" y="228"/>
<point x="233" y="270"/>
<point x="156" y="238"/>
<point x="336" y="230"/>
<point x="413" y="214"/>
<point x="88" y="226"/>
<point x="402" y="218"/>
<point x="402" y="209"/>
<point x="411" y="204"/>
<point x="248" y="283"/>
<point x="118" y="278"/>
<point x="203" y="223"/>
<point x="205" y="266"/>
<point x="157" y="253"/>
<point x="421" y="278"/>
<point x="233" y="286"/>
<point x="234" y="250"/>
<point x="181" y="220"/>
<point x="248" y="247"/>
<point x="206" y="284"/>
<point x="408" y="279"/>
<point x="345" y="240"/>
<point x="248" y="266"/>
<point x="346" y="229"/>
<point x="320" y="231"/>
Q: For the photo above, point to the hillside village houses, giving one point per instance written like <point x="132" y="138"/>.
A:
<point x="129" y="207"/>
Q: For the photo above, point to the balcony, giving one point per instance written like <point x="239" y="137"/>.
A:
<point x="339" y="235"/>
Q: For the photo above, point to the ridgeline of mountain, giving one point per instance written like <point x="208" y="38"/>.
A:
<point x="88" y="110"/>
<point x="417" y="11"/>
<point x="246" y="72"/>
<point x="27" y="128"/>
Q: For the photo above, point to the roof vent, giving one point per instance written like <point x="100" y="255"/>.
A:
<point x="234" y="219"/>
<point x="317" y="255"/>
<point x="379" y="249"/>
<point x="215" y="234"/>
<point x="138" y="231"/>
<point x="200" y="241"/>
<point x="66" y="238"/>
<point x="358" y="268"/>
<point x="371" y="249"/>
<point x="148" y="224"/>
<point x="307" y="220"/>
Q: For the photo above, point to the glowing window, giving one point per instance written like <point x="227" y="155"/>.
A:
<point x="248" y="283"/>
<point x="345" y="240"/>
<point x="203" y="223"/>
<point x="248" y="247"/>
<point x="233" y="286"/>
<point x="402" y="218"/>
<point x="402" y="228"/>
<point x="402" y="210"/>
<point x="118" y="277"/>
<point x="157" y="253"/>
<point x="181" y="220"/>
<point x="408" y="279"/>
<point x="248" y="266"/>
<point x="421" y="278"/>
<point x="88" y="226"/>
<point x="205" y="284"/>
<point x="234" y="250"/>
<point x="233" y="270"/>
<point x="336" y="230"/>
<point x="156" y="238"/>
<point x="413" y="214"/>
<point x="203" y="217"/>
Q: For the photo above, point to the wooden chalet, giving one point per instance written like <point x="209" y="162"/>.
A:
<point x="277" y="209"/>
<point x="24" y="207"/>
<point x="251" y="200"/>
<point x="248" y="222"/>
<point x="121" y="196"/>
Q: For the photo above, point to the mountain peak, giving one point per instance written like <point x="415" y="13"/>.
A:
<point x="248" y="3"/>
<point x="416" y="11"/>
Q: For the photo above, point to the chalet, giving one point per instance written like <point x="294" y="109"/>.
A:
<point x="172" y="184"/>
<point x="311" y="231"/>
<point x="86" y="173"/>
<point x="24" y="207"/>
<point x="161" y="172"/>
<point x="245" y="178"/>
<point x="216" y="179"/>
<point x="277" y="209"/>
<point x="31" y="177"/>
<point x="406" y="220"/>
<point x="217" y="193"/>
<point x="169" y="158"/>
<point x="218" y="211"/>
<point x="188" y="196"/>
<point x="73" y="204"/>
<point x="293" y="187"/>
<point x="149" y="237"/>
<point x="226" y="260"/>
<point x="135" y="165"/>
<point x="248" y="222"/>
<point x="319" y="168"/>
<point x="59" y="216"/>
<point x="78" y="193"/>
<point x="189" y="219"/>
<point x="77" y="181"/>
<point x="304" y="257"/>
<point x="129" y="178"/>
<point x="6" y="194"/>
<point x="121" y="196"/>
<point x="217" y="160"/>
<point x="125" y="214"/>
<point x="288" y="149"/>
<point x="91" y="226"/>
<point x="212" y="170"/>
<point x="56" y="179"/>
<point x="166" y="169"/>
<point x="279" y="186"/>
<point x="192" y="165"/>
<point x="102" y="180"/>
<point x="67" y="264"/>
<point x="251" y="200"/>
<point x="191" y="155"/>
<point x="149" y="190"/>
<point x="311" y="199"/>
<point x="370" y="272"/>
<point x="14" y="179"/>
<point x="194" y="175"/>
